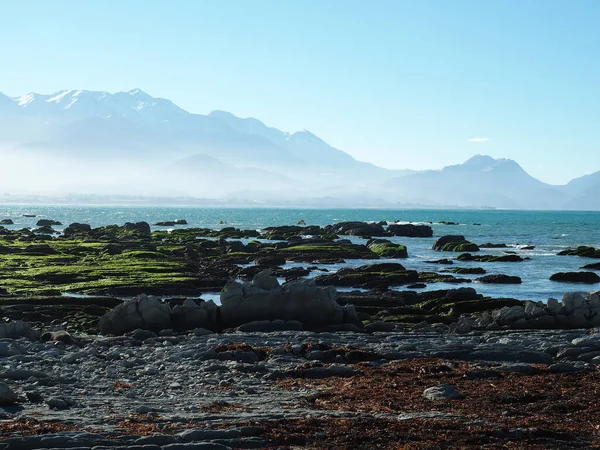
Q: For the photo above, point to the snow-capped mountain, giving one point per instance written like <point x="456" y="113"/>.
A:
<point x="142" y="141"/>
<point x="94" y="123"/>
<point x="135" y="105"/>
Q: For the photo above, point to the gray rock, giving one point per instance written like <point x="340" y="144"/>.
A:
<point x="542" y="322"/>
<point x="57" y="403"/>
<point x="202" y="332"/>
<point x="553" y="306"/>
<point x="145" y="312"/>
<point x="441" y="392"/>
<point x="156" y="439"/>
<point x="572" y="301"/>
<point x="381" y="327"/>
<point x="7" y="395"/>
<point x="205" y="434"/>
<point x="16" y="329"/>
<point x="264" y="299"/>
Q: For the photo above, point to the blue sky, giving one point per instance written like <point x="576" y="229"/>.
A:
<point x="403" y="84"/>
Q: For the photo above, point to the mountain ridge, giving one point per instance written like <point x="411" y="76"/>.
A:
<point x="135" y="129"/>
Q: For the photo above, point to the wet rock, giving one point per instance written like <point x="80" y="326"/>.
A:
<point x="499" y="279"/>
<point x="47" y="223"/>
<point x="76" y="228"/>
<point x="410" y="230"/>
<point x="454" y="243"/>
<point x="140" y="227"/>
<point x="576" y="277"/>
<point x="357" y="229"/>
<point x="387" y="249"/>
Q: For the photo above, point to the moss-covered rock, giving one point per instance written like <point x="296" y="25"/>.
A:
<point x="454" y="243"/>
<point x="387" y="249"/>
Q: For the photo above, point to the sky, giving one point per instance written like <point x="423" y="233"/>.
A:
<point x="402" y="84"/>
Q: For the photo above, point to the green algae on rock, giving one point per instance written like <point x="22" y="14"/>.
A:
<point x="454" y="243"/>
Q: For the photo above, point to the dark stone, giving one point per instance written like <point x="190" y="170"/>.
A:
<point x="76" y="227"/>
<point x="410" y="230"/>
<point x="454" y="243"/>
<point x="141" y="227"/>
<point x="47" y="223"/>
<point x="499" y="279"/>
<point x="576" y="277"/>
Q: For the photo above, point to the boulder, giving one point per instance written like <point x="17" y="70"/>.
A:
<point x="441" y="392"/>
<point x="145" y="312"/>
<point x="572" y="301"/>
<point x="265" y="299"/>
<point x="387" y="249"/>
<point x="499" y="279"/>
<point x="585" y="251"/>
<point x="553" y="306"/>
<point x="170" y="223"/>
<point x="356" y="229"/>
<point x="576" y="277"/>
<point x="508" y="314"/>
<point x="191" y="315"/>
<point x="47" y="223"/>
<point x="6" y="222"/>
<point x="460" y="294"/>
<point x="454" y="243"/>
<point x="270" y="261"/>
<point x="7" y="395"/>
<point x="140" y="227"/>
<point x="75" y="228"/>
<point x="17" y="329"/>
<point x="410" y="230"/>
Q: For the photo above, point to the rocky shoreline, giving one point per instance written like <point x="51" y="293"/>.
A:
<point x="280" y="365"/>
<point x="534" y="389"/>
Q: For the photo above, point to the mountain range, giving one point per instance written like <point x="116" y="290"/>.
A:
<point x="130" y="142"/>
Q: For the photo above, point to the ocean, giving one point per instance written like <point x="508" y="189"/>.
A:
<point x="548" y="231"/>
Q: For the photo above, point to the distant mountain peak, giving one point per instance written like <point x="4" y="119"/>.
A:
<point x="480" y="160"/>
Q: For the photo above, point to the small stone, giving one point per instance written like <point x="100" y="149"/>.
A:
<point x="441" y="392"/>
<point x="58" y="403"/>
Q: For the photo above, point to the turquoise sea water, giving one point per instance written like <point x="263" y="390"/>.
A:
<point x="548" y="231"/>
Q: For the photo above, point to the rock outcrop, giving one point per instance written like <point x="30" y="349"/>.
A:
<point x="387" y="249"/>
<point x="410" y="230"/>
<point x="191" y="315"/>
<point x="357" y="229"/>
<point x="17" y="329"/>
<point x="265" y="299"/>
<point x="576" y="277"/>
<point x="144" y="312"/>
<point x="577" y="310"/>
<point x="454" y="243"/>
